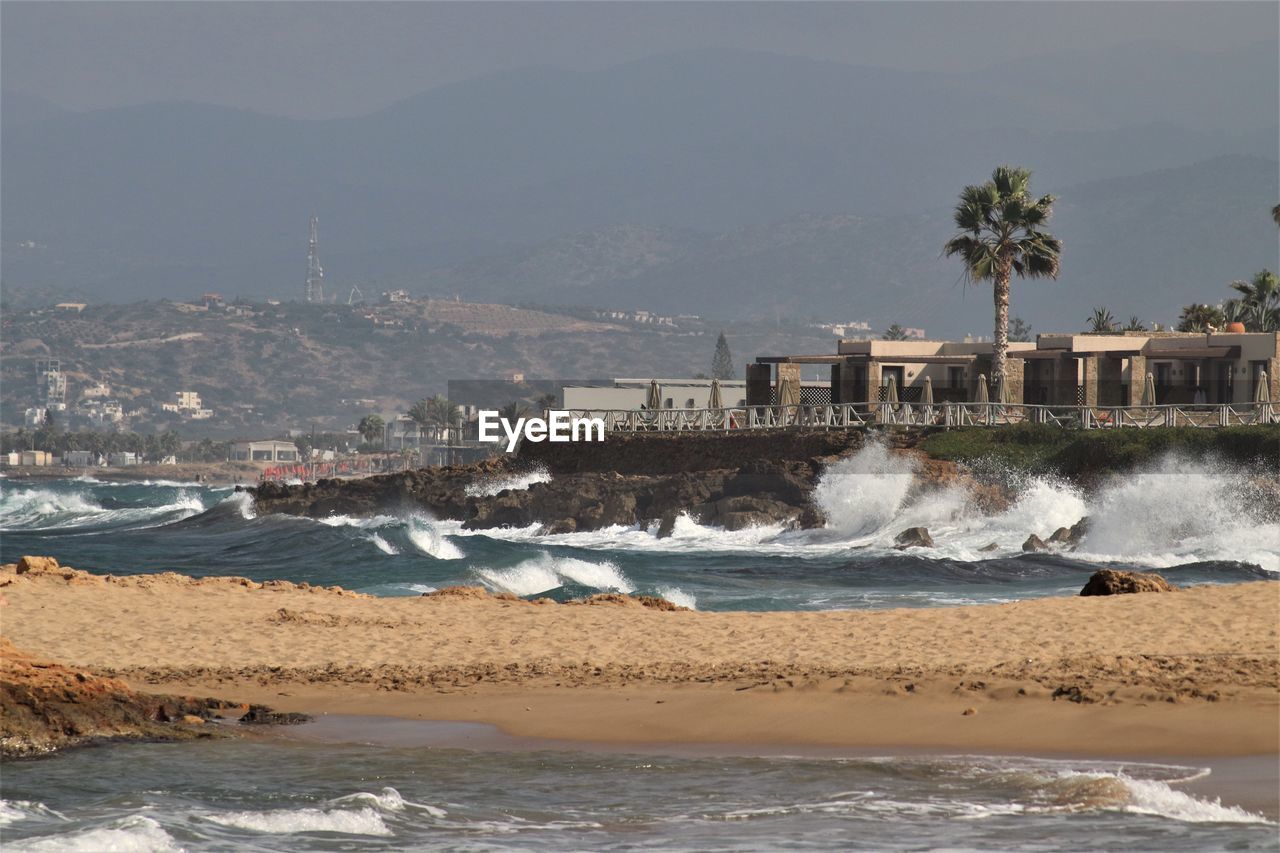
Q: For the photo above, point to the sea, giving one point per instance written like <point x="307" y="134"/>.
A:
<point x="1195" y="520"/>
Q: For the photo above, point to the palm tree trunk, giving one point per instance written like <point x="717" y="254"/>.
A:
<point x="1001" y="345"/>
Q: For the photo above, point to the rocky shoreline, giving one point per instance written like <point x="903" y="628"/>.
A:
<point x="730" y="481"/>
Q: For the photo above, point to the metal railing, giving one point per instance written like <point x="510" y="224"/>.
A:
<point x="920" y="415"/>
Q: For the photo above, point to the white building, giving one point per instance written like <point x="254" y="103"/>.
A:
<point x="633" y="393"/>
<point x="270" y="450"/>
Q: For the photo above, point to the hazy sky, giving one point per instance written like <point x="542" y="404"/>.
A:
<point x="314" y="60"/>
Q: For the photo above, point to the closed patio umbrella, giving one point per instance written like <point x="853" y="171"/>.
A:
<point x="654" y="399"/>
<point x="1002" y="391"/>
<point x="891" y="390"/>
<point x="981" y="396"/>
<point x="1149" y="391"/>
<point x="1263" y="393"/>
<point x="713" y="399"/>
<point x="926" y="396"/>
<point x="789" y="393"/>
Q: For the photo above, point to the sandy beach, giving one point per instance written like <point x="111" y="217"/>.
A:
<point x="1191" y="672"/>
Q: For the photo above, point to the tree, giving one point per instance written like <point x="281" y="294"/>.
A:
<point x="722" y="361"/>
<point x="371" y="428"/>
<point x="437" y="414"/>
<point x="1275" y="214"/>
<point x="547" y="402"/>
<point x="1102" y="321"/>
<point x="513" y="411"/>
<point x="1019" y="330"/>
<point x="1134" y="325"/>
<point x="1200" y="318"/>
<point x="1260" y="301"/>
<point x="895" y="333"/>
<point x="1001" y="234"/>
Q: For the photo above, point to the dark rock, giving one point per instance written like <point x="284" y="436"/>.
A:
<point x="1034" y="543"/>
<point x="914" y="537"/>
<point x="994" y="546"/>
<point x="1061" y="536"/>
<point x="261" y="715"/>
<point x="1113" y="582"/>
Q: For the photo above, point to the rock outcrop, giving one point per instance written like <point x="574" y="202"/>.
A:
<point x="732" y="481"/>
<point x="1114" y="582"/>
<point x="913" y="537"/>
<point x="45" y="707"/>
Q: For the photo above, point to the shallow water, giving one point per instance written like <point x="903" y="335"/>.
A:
<point x="1184" y="518"/>
<point x="281" y="795"/>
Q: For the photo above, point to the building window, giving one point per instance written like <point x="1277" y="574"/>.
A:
<point x="688" y="404"/>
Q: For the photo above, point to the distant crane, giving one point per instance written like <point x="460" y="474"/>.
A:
<point x="355" y="291"/>
<point x="315" y="273"/>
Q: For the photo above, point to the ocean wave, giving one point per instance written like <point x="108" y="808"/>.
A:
<point x="546" y="572"/>
<point x="417" y="532"/>
<point x="134" y="833"/>
<point x="517" y="482"/>
<point x="36" y="509"/>
<point x="365" y="821"/>
<point x="1177" y="512"/>
<point x="678" y="597"/>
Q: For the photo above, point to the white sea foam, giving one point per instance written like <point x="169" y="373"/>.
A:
<point x="134" y="833"/>
<point x="12" y="811"/>
<point x="678" y="597"/>
<point x="421" y="533"/>
<point x="364" y="821"/>
<point x="517" y="482"/>
<point x="1173" y="513"/>
<point x="1178" y="511"/>
<point x="546" y="572"/>
<point x="389" y="799"/>
<point x="383" y="545"/>
<point x="1159" y="798"/>
<point x="429" y="540"/>
<point x="49" y="509"/>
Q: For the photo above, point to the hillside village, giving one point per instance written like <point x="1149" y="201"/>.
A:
<point x="214" y="367"/>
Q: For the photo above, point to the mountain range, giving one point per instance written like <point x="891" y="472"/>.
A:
<point x="716" y="181"/>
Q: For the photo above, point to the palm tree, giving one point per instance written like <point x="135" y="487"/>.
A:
<point x="1134" y="325"/>
<point x="1275" y="214"/>
<point x="1000" y="234"/>
<point x="1260" y="299"/>
<point x="371" y="428"/>
<point x="420" y="414"/>
<point x="442" y="414"/>
<point x="1102" y="321"/>
<point x="513" y="411"/>
<point x="1200" y="318"/>
<point x="547" y="402"/>
<point x="895" y="333"/>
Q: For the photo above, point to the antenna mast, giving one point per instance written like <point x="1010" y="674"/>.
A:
<point x="315" y="273"/>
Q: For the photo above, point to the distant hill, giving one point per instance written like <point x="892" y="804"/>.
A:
<point x="296" y="365"/>
<point x="178" y="198"/>
<point x="1127" y="245"/>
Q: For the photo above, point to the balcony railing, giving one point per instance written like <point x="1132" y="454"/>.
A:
<point x="920" y="415"/>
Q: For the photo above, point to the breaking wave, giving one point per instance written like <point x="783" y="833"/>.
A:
<point x="546" y="572"/>
<point x="518" y="482"/>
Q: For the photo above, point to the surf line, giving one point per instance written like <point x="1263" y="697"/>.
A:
<point x="557" y="427"/>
